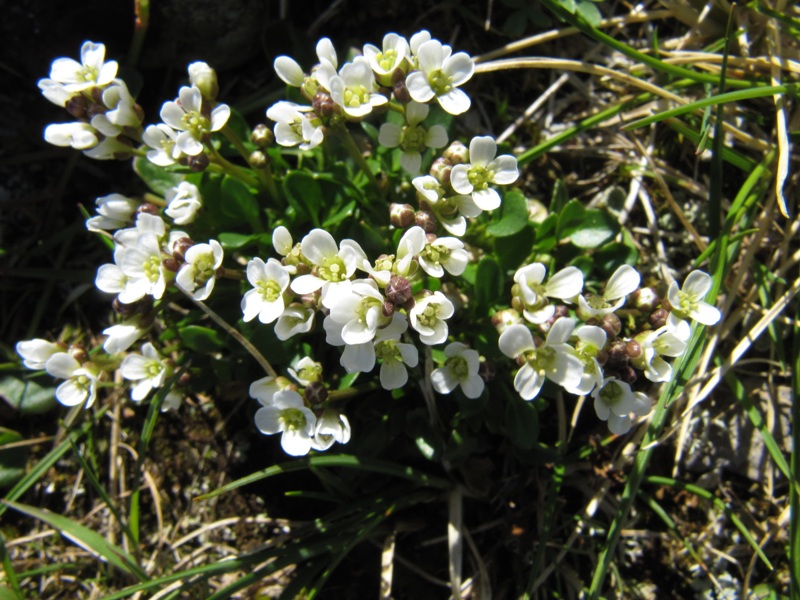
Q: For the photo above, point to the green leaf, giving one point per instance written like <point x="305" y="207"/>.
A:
<point x="158" y="179"/>
<point x="12" y="460"/>
<point x="512" y="216"/>
<point x="201" y="339"/>
<point x="83" y="537"/>
<point x="546" y="238"/>
<point x="590" y="12"/>
<point x="570" y="218"/>
<point x="235" y="241"/>
<point x="560" y="196"/>
<point x="511" y="251"/>
<point x="239" y="202"/>
<point x="304" y="194"/>
<point x="27" y="396"/>
<point x="489" y="282"/>
<point x="598" y="227"/>
<point x="613" y="255"/>
<point x="522" y="423"/>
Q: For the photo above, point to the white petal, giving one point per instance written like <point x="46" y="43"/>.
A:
<point x="697" y="283"/>
<point x="268" y="420"/>
<point x="318" y="246"/>
<point x="390" y="135"/>
<point x="460" y="67"/>
<point x="560" y="331"/>
<point x="486" y="199"/>
<point x="437" y="137"/>
<point x="706" y="314"/>
<point x="455" y="101"/>
<point x="61" y="365"/>
<point x="619" y="425"/>
<point x="418" y="87"/>
<point x="444" y="380"/>
<point x="70" y="393"/>
<point x="482" y="149"/>
<point x="289" y="71"/>
<point x="393" y="375"/>
<point x="459" y="179"/>
<point x="528" y="382"/>
<point x="624" y="281"/>
<point x="565" y="284"/>
<point x="473" y="386"/>
<point x="505" y="169"/>
<point x="515" y="340"/>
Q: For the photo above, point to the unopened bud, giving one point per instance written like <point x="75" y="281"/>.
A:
<point x="204" y="78"/>
<point x="185" y="379"/>
<point x="427" y="220"/>
<point x="124" y="310"/>
<point x="401" y="215"/>
<point x="198" y="163"/>
<point x="457" y="153"/>
<point x="180" y="246"/>
<point x="387" y="310"/>
<point x="398" y="291"/>
<point x="323" y="105"/>
<point x="262" y="136"/>
<point x="633" y="349"/>
<point x="645" y="299"/>
<point x="79" y="353"/>
<point x="658" y="318"/>
<point x="401" y="93"/>
<point x="628" y="374"/>
<point x="147" y="208"/>
<point x="258" y="160"/>
<point x="315" y="393"/>
<point x="503" y="319"/>
<point x="76" y="107"/>
<point x="617" y="352"/>
<point x="611" y="324"/>
<point x="170" y="264"/>
<point x="441" y="169"/>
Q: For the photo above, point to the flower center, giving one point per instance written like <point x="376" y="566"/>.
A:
<point x="333" y="270"/>
<point x="269" y="290"/>
<point x="412" y="138"/>
<point x="387" y="350"/>
<point x="292" y="419"/>
<point x="204" y="267"/>
<point x="356" y="96"/>
<point x="479" y="176"/>
<point x="428" y="316"/>
<point x="153" y="369"/>
<point x="86" y="73"/>
<point x="612" y="394"/>
<point x="387" y="59"/>
<point x="152" y="269"/>
<point x="440" y="82"/>
<point x="196" y="123"/>
<point x="435" y="254"/>
<point x="459" y="366"/>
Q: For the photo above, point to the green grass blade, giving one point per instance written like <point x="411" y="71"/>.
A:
<point x="729" y="155"/>
<point x="11" y="576"/>
<point x="716" y="100"/>
<point x="340" y="460"/>
<point x="720" y="504"/>
<point x="84" y="537"/>
<point x="44" y="465"/>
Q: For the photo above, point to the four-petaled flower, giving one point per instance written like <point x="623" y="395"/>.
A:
<point x="186" y="115"/>
<point x="439" y="75"/>
<point x="614" y="401"/>
<point x="460" y="368"/>
<point x="429" y="318"/>
<point x="288" y="415"/>
<point x="413" y="138"/>
<point x="147" y="369"/>
<point x="199" y="273"/>
<point x="689" y="300"/>
<point x="473" y="178"/>
<point x="269" y="280"/>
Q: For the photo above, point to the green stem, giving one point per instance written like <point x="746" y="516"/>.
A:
<point x="264" y="175"/>
<point x="142" y="22"/>
<point x="227" y="167"/>
<point x="352" y="149"/>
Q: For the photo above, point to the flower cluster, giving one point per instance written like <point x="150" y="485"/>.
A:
<point x="391" y="304"/>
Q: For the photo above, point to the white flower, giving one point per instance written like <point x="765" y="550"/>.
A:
<point x="183" y="202"/>
<point x="473" y="178"/>
<point x="331" y="427"/>
<point x="110" y="148"/>
<point x="185" y="115"/>
<point x="114" y="212"/>
<point x="614" y="401"/>
<point x="121" y="111"/>
<point x="288" y="415"/>
<point x="295" y="319"/>
<point x="147" y="369"/>
<point x="142" y="265"/>
<point x="591" y="340"/>
<point x="80" y="136"/>
<point x="689" y="300"/>
<point x="393" y="354"/>
<point x="450" y="211"/>
<point x="269" y="281"/>
<point x="145" y="223"/>
<point x="530" y="289"/>
<point x="292" y="74"/>
<point x="354" y="89"/>
<point x="162" y="139"/>
<point x="306" y="371"/>
<point x="36" y="352"/>
<point x="623" y="282"/>
<point x="296" y="125"/>
<point x="460" y="368"/>
<point x="282" y="240"/>
<point x="55" y="92"/>
<point x="444" y="254"/>
<point x="122" y="336"/>
<point x="204" y="78"/>
<point x="413" y="138"/>
<point x="80" y="386"/>
<point x="384" y="62"/>
<point x="554" y="360"/>
<point x="199" y="273"/>
<point x="654" y="345"/>
<point x="359" y="310"/>
<point x="428" y="318"/>
<point x="264" y="389"/>
<point x="333" y="266"/>
<point x="90" y="72"/>
<point x="440" y="75"/>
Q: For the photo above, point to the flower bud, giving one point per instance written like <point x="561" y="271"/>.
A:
<point x="180" y="246"/>
<point x="617" y="352"/>
<point x="76" y="107"/>
<point x="440" y="169"/>
<point x="185" y="379"/>
<point x="315" y="393"/>
<point x="457" y="153"/>
<point x="611" y="324"/>
<point x="503" y="319"/>
<point x="628" y="374"/>
<point x="262" y="136"/>
<point x="124" y="310"/>
<point x="659" y="317"/>
<point x="387" y="310"/>
<point x="198" y="163"/>
<point x="401" y="93"/>
<point x="645" y="299"/>
<point x="401" y="215"/>
<point x="398" y="291"/>
<point x="633" y="349"/>
<point x="148" y="208"/>
<point x="170" y="264"/>
<point x="205" y="79"/>
<point x="258" y="160"/>
<point x="427" y="220"/>
<point x="78" y="352"/>
<point x="323" y="105"/>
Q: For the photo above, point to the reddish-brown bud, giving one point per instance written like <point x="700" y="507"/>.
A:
<point x="76" y="107"/>
<point x="658" y="318"/>
<point x="487" y="371"/>
<point x="427" y="220"/>
<point x="262" y="136"/>
<point x="170" y="264"/>
<point x="198" y="163"/>
<point x="315" y="393"/>
<point x="633" y="349"/>
<point x="611" y="324"/>
<point x="399" y="291"/>
<point x="457" y="153"/>
<point x="401" y="93"/>
<point x="323" y="105"/>
<point x="441" y="169"/>
<point x="150" y="209"/>
<point x="401" y="215"/>
<point x="180" y="247"/>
